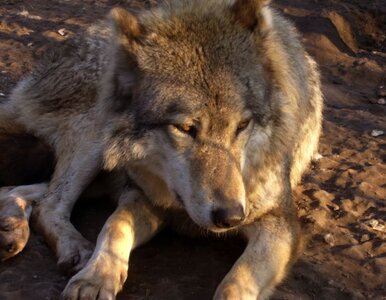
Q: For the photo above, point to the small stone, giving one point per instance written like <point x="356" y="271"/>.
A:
<point x="34" y="276"/>
<point x="329" y="239"/>
<point x="381" y="101"/>
<point x="376" y="225"/>
<point x="381" y="92"/>
<point x="2" y="95"/>
<point x="333" y="206"/>
<point x="376" y="132"/>
<point x="373" y="223"/>
<point x="364" y="238"/>
<point x="63" y="31"/>
<point x="30" y="44"/>
<point x="24" y="13"/>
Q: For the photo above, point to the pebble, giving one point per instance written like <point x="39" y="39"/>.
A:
<point x="2" y="95"/>
<point x="62" y="31"/>
<point x="374" y="224"/>
<point x="364" y="238"/>
<point x="329" y="239"/>
<point x="334" y="207"/>
<point x="381" y="91"/>
<point x="377" y="132"/>
<point x="381" y="101"/>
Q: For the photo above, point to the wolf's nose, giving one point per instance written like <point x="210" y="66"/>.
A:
<point x="228" y="217"/>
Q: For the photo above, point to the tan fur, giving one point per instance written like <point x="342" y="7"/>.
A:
<point x="15" y="208"/>
<point x="212" y="108"/>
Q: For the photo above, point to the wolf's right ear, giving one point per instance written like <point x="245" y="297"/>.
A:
<point x="127" y="34"/>
<point x="127" y="26"/>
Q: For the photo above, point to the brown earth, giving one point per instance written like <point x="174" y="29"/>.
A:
<point x="341" y="201"/>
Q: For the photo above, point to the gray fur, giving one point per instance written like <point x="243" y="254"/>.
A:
<point x="205" y="105"/>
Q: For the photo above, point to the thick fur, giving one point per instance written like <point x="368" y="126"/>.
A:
<point x="212" y="108"/>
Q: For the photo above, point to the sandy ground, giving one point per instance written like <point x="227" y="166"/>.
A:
<point x="341" y="201"/>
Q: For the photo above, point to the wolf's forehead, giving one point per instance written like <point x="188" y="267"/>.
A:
<point x="196" y="48"/>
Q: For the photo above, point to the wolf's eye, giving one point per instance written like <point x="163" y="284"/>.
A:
<point x="242" y="126"/>
<point x="187" y="129"/>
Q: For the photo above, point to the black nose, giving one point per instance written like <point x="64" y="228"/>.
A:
<point x="228" y="217"/>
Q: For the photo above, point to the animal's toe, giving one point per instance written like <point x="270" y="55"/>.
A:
<point x="81" y="289"/>
<point x="106" y="294"/>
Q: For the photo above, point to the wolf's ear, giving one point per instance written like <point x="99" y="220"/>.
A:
<point x="128" y="32"/>
<point x="126" y="24"/>
<point x="252" y="14"/>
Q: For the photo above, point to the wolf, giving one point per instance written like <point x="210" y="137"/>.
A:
<point x="206" y="113"/>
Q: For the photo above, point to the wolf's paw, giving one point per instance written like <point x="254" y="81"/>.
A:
<point x="227" y="293"/>
<point x="236" y="289"/>
<point x="14" y="228"/>
<point x="14" y="234"/>
<point x="97" y="281"/>
<point x="74" y="255"/>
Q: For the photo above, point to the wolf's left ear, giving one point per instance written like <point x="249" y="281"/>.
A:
<point x="253" y="14"/>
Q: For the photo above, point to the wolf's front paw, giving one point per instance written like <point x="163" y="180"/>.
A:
<point x="14" y="228"/>
<point x="237" y="289"/>
<point x="97" y="281"/>
<point x="227" y="292"/>
<point x="74" y="254"/>
<point x="14" y="234"/>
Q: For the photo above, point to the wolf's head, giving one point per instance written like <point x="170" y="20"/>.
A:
<point x="192" y="83"/>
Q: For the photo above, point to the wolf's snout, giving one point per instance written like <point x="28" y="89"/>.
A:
<point x="228" y="217"/>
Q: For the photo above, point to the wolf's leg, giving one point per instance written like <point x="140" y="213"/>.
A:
<point x="272" y="243"/>
<point x="74" y="170"/>
<point x="15" y="210"/>
<point x="133" y="223"/>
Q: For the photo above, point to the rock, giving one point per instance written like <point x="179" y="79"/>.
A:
<point x="376" y="132"/>
<point x="365" y="238"/>
<point x="381" y="101"/>
<point x="376" y="225"/>
<point x="381" y="92"/>
<point x="63" y="31"/>
<point x="329" y="239"/>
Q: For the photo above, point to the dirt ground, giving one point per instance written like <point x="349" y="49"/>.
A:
<point x="341" y="202"/>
